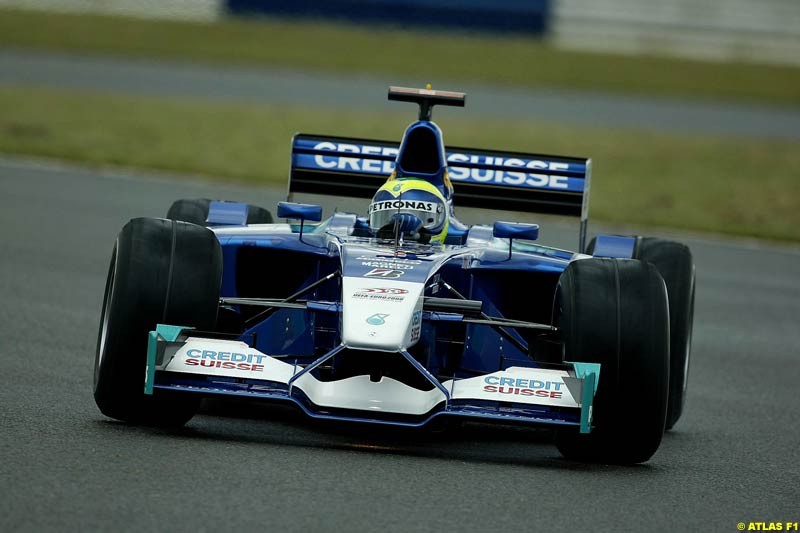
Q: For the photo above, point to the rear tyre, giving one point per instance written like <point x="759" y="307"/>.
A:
<point x="195" y="210"/>
<point x="161" y="271"/>
<point x="614" y="312"/>
<point x="675" y="264"/>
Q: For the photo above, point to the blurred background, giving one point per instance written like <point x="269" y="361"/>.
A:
<point x="690" y="109"/>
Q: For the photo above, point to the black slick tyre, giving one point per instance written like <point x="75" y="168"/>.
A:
<point x="161" y="271"/>
<point x="614" y="312"/>
<point x="195" y="210"/>
<point x="675" y="264"/>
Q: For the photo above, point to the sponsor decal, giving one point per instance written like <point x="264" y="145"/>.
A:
<point x="355" y="163"/>
<point x="393" y="263"/>
<point x="378" y="319"/>
<point x="384" y="290"/>
<point x="523" y="387"/>
<point x="228" y="360"/>
<point x="416" y="205"/>
<point x="383" y="273"/>
<point x="506" y="177"/>
<point x="416" y="325"/>
<point x="532" y="173"/>
<point x="387" y="264"/>
<point x="381" y="293"/>
<point x="435" y="283"/>
<point x="398" y="259"/>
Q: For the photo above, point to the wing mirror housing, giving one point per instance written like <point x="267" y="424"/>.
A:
<point x="515" y="230"/>
<point x="300" y="211"/>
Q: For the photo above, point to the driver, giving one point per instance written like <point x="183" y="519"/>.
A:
<point x="412" y="207"/>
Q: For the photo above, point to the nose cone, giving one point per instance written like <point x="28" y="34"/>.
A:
<point x="381" y="315"/>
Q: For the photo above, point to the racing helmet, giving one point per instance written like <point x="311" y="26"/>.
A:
<point x="409" y="196"/>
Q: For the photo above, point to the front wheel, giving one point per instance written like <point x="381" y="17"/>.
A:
<point x="614" y="312"/>
<point x="161" y="271"/>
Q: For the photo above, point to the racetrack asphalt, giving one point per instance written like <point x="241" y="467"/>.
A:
<point x="291" y="87"/>
<point x="732" y="458"/>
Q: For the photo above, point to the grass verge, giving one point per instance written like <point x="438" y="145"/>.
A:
<point x="425" y="56"/>
<point x="740" y="187"/>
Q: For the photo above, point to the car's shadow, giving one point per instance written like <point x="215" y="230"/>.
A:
<point x="284" y="425"/>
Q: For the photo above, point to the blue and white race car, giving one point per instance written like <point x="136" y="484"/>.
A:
<point x="406" y="315"/>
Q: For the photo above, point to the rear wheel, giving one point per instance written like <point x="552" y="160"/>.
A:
<point x="161" y="271"/>
<point x="675" y="264"/>
<point x="614" y="312"/>
<point x="195" y="210"/>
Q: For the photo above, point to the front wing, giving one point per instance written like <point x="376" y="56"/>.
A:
<point x="559" y="395"/>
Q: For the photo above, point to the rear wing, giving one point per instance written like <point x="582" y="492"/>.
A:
<point x="510" y="181"/>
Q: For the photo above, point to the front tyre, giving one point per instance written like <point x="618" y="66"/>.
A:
<point x="161" y="271"/>
<point x="614" y="312"/>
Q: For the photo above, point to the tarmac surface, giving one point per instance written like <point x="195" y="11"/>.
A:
<point x="732" y="458"/>
<point x="290" y="87"/>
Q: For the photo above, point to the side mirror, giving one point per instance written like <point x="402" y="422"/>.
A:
<point x="300" y="211"/>
<point x="515" y="230"/>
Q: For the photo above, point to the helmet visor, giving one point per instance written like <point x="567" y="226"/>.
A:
<point x="430" y="213"/>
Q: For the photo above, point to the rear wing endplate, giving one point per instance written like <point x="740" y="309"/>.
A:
<point x="510" y="181"/>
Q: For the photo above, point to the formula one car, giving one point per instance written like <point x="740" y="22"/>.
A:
<point x="407" y="315"/>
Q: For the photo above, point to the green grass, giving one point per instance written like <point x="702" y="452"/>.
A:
<point x="438" y="57"/>
<point x="741" y="187"/>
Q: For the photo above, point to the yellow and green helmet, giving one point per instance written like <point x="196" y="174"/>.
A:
<point x="415" y="197"/>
